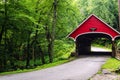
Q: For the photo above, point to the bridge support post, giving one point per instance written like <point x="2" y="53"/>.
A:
<point x="113" y="49"/>
<point x="76" y="47"/>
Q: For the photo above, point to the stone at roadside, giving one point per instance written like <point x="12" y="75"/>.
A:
<point x="105" y="71"/>
<point x="106" y="75"/>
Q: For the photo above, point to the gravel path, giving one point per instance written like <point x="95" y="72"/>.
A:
<point x="79" y="69"/>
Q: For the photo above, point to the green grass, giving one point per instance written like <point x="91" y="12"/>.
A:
<point x="39" y="67"/>
<point x="111" y="64"/>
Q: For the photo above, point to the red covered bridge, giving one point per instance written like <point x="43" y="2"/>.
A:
<point x="90" y="29"/>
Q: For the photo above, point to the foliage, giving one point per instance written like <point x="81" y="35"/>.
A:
<point x="102" y="42"/>
<point x="62" y="48"/>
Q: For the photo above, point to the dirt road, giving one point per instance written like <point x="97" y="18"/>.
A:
<point x="80" y="69"/>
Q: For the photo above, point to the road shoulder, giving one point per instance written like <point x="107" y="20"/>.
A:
<point x="106" y="76"/>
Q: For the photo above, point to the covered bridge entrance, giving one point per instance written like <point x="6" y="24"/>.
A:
<point x="90" y="29"/>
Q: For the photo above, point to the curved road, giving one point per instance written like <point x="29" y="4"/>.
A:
<point x="79" y="69"/>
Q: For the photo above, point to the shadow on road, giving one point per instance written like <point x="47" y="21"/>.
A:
<point x="100" y="53"/>
<point x="96" y="54"/>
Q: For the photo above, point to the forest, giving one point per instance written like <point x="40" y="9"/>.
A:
<point x="33" y="32"/>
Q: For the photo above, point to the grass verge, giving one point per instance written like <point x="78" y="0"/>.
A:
<point x="111" y="64"/>
<point x="39" y="67"/>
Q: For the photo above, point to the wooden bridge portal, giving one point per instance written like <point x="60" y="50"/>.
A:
<point x="90" y="29"/>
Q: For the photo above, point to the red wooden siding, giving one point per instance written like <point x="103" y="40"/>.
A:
<point x="94" y="25"/>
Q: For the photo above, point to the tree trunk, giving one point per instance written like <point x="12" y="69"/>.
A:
<point x="1" y="33"/>
<point x="50" y="51"/>
<point x="28" y="52"/>
<point x="42" y="55"/>
<point x="5" y="20"/>
<point x="52" y="34"/>
<point x="50" y="43"/>
<point x="119" y="12"/>
<point x="4" y="30"/>
<point x="33" y="55"/>
<point x="36" y="34"/>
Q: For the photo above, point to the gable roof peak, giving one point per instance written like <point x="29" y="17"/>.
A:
<point x="92" y="21"/>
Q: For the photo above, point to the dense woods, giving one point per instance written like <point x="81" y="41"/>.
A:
<point x="33" y="32"/>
